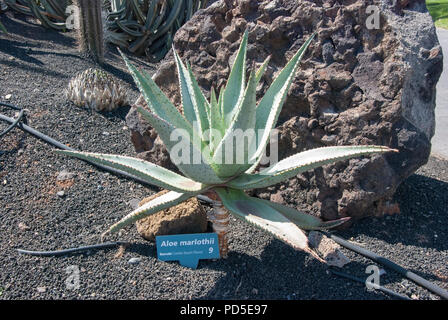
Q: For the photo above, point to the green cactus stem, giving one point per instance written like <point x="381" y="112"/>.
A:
<point x="91" y="40"/>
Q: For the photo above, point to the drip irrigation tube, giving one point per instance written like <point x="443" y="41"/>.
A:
<point x="390" y="264"/>
<point x="16" y="121"/>
<point x="376" y="287"/>
<point x="373" y="256"/>
<point x="106" y="245"/>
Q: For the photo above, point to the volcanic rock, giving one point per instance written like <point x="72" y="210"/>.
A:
<point x="355" y="86"/>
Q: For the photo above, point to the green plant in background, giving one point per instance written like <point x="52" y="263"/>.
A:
<point x="90" y="33"/>
<point x="148" y="26"/>
<point x="235" y="109"/>
<point x="51" y="13"/>
<point x="439" y="12"/>
<point x="3" y="7"/>
<point x="2" y="28"/>
<point x="141" y="26"/>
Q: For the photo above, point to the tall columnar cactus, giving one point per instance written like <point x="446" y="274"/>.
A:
<point x="91" y="40"/>
<point x="206" y="128"/>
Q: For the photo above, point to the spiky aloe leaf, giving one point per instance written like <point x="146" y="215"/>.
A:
<point x="202" y="100"/>
<point x="263" y="217"/>
<point x="160" y="203"/>
<point x="302" y="220"/>
<point x="262" y="69"/>
<point x="235" y="84"/>
<point x="301" y="162"/>
<point x="272" y="102"/>
<point x="195" y="164"/>
<point x="156" y="99"/>
<point x="166" y="119"/>
<point x="216" y="130"/>
<point x="233" y="140"/>
<point x="194" y="104"/>
<point x="147" y="171"/>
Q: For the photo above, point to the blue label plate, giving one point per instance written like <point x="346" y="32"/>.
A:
<point x="188" y="249"/>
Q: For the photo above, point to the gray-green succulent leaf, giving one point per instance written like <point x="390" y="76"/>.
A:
<point x="233" y="142"/>
<point x="147" y="171"/>
<point x="162" y="202"/>
<point x="235" y="86"/>
<point x="271" y="104"/>
<point x="302" y="162"/>
<point x="195" y="106"/>
<point x="157" y="101"/>
<point x="186" y="154"/>
<point x="221" y="134"/>
<point x="264" y="217"/>
<point x="302" y="220"/>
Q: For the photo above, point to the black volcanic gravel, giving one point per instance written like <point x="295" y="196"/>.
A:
<point x="35" y="66"/>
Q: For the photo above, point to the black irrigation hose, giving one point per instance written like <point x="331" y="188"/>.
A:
<point x="373" y="256"/>
<point x="59" y="145"/>
<point x="392" y="265"/>
<point x="16" y="121"/>
<point x="376" y="287"/>
<point x="106" y="245"/>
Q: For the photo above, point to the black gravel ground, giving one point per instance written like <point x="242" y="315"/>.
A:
<point x="35" y="66"/>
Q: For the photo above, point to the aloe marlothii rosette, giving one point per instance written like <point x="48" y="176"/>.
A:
<point x="224" y="182"/>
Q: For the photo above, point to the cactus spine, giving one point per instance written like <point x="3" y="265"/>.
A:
<point x="91" y="29"/>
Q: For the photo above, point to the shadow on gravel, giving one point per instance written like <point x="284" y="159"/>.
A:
<point x="422" y="221"/>
<point x="120" y="113"/>
<point x="25" y="26"/>
<point x="143" y="249"/>
<point x="282" y="273"/>
<point x="120" y="74"/>
<point x="33" y="69"/>
<point x="117" y="114"/>
<point x="19" y="50"/>
<point x="23" y="51"/>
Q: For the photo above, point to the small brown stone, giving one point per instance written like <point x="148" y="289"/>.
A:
<point x="277" y="197"/>
<point x="187" y="217"/>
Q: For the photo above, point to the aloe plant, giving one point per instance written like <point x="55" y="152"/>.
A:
<point x="225" y="183"/>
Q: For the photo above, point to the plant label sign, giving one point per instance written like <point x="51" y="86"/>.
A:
<point x="188" y="249"/>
